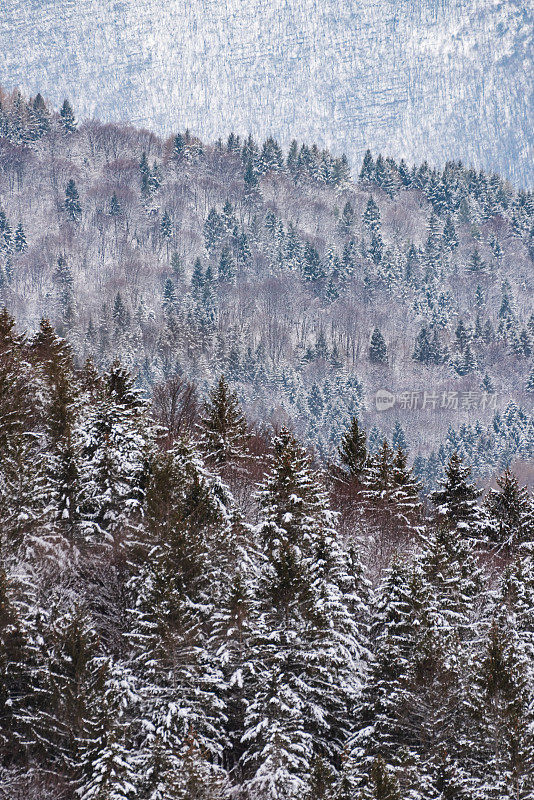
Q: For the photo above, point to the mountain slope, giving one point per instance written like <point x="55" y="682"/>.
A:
<point x="310" y="291"/>
<point x="416" y="81"/>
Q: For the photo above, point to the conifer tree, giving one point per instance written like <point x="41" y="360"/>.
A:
<point x="371" y="216"/>
<point x="376" y="248"/>
<point x="121" y="315"/>
<point x="20" y="239"/>
<point x="367" y="172"/>
<point x="487" y="384"/>
<point x="68" y="685"/>
<point x="14" y="676"/>
<point x="294" y="713"/>
<point x="456" y="501"/>
<point x="166" y="225"/>
<point x="72" y="202"/>
<point x="113" y="459"/>
<point x="502" y="750"/>
<point x="224" y="430"/>
<point x="174" y="591"/>
<point x="353" y="450"/>
<point x="347" y="217"/>
<point x="377" y="348"/>
<point x="423" y="351"/>
<point x="508" y="509"/>
<point x="250" y="177"/>
<point x="380" y="726"/>
<point x="115" y="209"/>
<point x="65" y="289"/>
<point x="406" y="489"/>
<point x="449" y="234"/>
<point x="476" y="263"/>
<point x="178" y="146"/>
<point x="22" y="495"/>
<point x="383" y="785"/>
<point x="67" y="117"/>
<point x="227" y="270"/>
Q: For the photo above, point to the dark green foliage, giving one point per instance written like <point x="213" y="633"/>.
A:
<point x="509" y="511"/>
<point x="72" y="202"/>
<point x="377" y="348"/>
<point x="224" y="428"/>
<point x="353" y="450"/>
<point x="456" y="501"/>
<point x="67" y="117"/>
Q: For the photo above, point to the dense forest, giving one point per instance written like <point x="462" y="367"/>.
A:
<point x="189" y="609"/>
<point x="309" y="291"/>
<point x="223" y="572"/>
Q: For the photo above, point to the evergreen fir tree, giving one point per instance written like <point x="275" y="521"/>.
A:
<point x="15" y="697"/>
<point x="456" y="501"/>
<point x="383" y="785"/>
<point x="20" y="239"/>
<point x="67" y="117"/>
<point x="423" y="347"/>
<point x="487" y="384"/>
<point x="114" y="206"/>
<point x="508" y="509"/>
<point x="178" y="147"/>
<point x="347" y="218"/>
<point x="371" y="216"/>
<point x="377" y="348"/>
<point x="250" y="177"/>
<point x="227" y="270"/>
<point x="224" y="430"/>
<point x="449" y="234"/>
<point x="72" y="202"/>
<point x="169" y="296"/>
<point x="166" y="225"/>
<point x="502" y="750"/>
<point x="295" y="712"/>
<point x="476" y="263"/>
<point x="353" y="451"/>
<point x="376" y="247"/>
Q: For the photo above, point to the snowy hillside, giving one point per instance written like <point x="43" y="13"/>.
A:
<point x="430" y="79"/>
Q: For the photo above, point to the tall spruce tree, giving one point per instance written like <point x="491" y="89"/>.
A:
<point x="378" y="353"/>
<point x="224" y="430"/>
<point x="353" y="450"/>
<point x="73" y="206"/>
<point x="303" y="624"/>
<point x="456" y="501"/>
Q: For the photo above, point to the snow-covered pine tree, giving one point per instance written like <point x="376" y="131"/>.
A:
<point x="115" y="438"/>
<point x="380" y="722"/>
<point x="406" y="494"/>
<point x="500" y="747"/>
<point x="73" y="207"/>
<point x="67" y="117"/>
<point x="174" y="591"/>
<point x="224" y="430"/>
<point x="509" y="512"/>
<point x="353" y="451"/>
<point x="378" y="353"/>
<point x="456" y="502"/>
<point x="302" y="624"/>
<point x="67" y="684"/>
<point x="14" y="676"/>
<point x="22" y="473"/>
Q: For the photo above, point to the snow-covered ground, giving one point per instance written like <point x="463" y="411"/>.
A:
<point x="433" y="79"/>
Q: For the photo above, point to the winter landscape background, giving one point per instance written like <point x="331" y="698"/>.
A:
<point x="406" y="79"/>
<point x="266" y="421"/>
